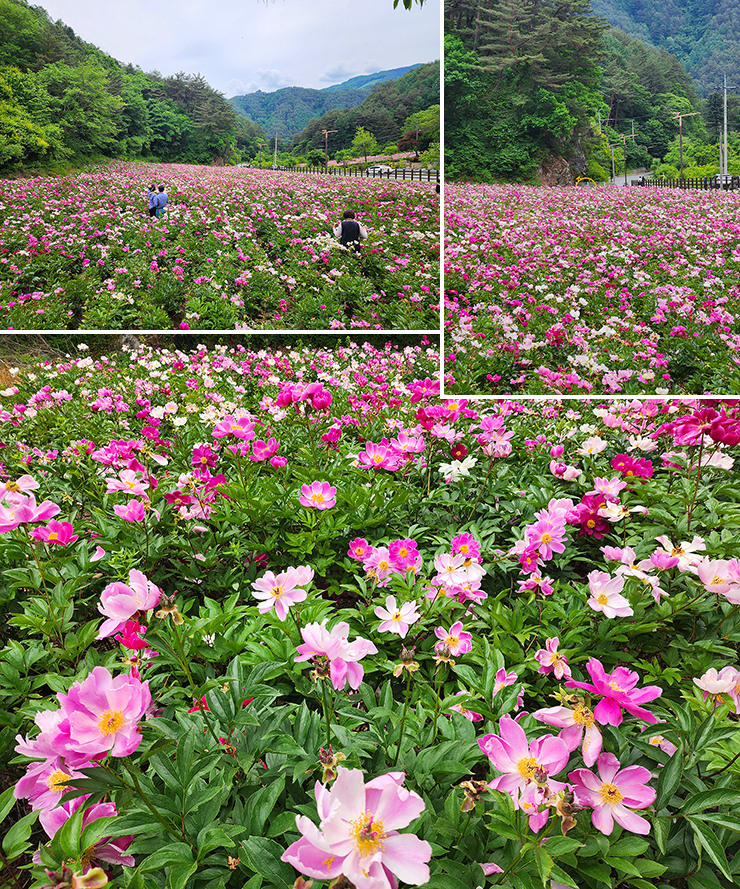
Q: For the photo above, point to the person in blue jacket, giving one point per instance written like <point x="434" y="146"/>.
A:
<point x="161" y="201"/>
<point x="152" y="196"/>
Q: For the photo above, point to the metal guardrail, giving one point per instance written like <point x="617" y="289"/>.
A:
<point x="403" y="173"/>
<point x="711" y="183"/>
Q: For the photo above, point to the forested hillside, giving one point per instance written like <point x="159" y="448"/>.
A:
<point x="383" y="113"/>
<point x="62" y="99"/>
<point x="538" y="89"/>
<point x="287" y="111"/>
<point x="702" y="34"/>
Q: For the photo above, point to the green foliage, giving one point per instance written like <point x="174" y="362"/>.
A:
<point x="364" y="144"/>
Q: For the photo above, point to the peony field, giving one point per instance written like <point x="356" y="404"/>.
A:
<point x="287" y="617"/>
<point x="236" y="249"/>
<point x="600" y="291"/>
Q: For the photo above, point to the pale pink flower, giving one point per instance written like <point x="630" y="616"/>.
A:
<point x="609" y="487"/>
<point x="23" y="509"/>
<point x="605" y="595"/>
<point x="502" y="680"/>
<point x="463" y="711"/>
<point x="21" y="486"/>
<point x="128" y="482"/>
<point x="240" y="427"/>
<point x="574" y="721"/>
<point x="282" y="591"/>
<point x="111" y="851"/>
<point x="546" y="536"/>
<point x="334" y="645"/>
<point x="397" y="620"/>
<point x="43" y="785"/>
<point x="551" y="661"/>
<point x="119" y="601"/>
<point x="319" y="495"/>
<point x="721" y="576"/>
<point x="563" y="471"/>
<point x="688" y="553"/>
<point x="358" y="834"/>
<point x="614" y="793"/>
<point x="522" y="761"/>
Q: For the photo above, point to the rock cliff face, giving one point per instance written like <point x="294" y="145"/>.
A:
<point x="555" y="171"/>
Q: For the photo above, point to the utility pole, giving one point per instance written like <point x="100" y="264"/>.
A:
<point x="624" y="148"/>
<point x="275" y="160"/>
<point x="725" y="115"/>
<point x="325" y="133"/>
<point x="614" y="172"/>
<point x="679" y="117"/>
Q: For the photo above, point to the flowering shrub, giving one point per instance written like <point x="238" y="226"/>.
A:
<point x="509" y="676"/>
<point x="578" y="291"/>
<point x="236" y="249"/>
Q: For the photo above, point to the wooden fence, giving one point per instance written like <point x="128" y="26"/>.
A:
<point x="705" y="184"/>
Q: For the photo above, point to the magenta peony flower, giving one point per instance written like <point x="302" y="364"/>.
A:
<point x="281" y="591"/>
<point x="618" y="691"/>
<point x="358" y="833"/>
<point x="101" y="715"/>
<point x="334" y="645"/>
<point x="119" y="602"/>
<point x="319" y="495"/>
<point x="264" y="450"/>
<point x="55" y="532"/>
<point x="241" y="428"/>
<point x="614" y="793"/>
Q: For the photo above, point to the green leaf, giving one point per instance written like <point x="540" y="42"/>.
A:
<point x="178" y="876"/>
<point x="68" y="835"/>
<point x="629" y="847"/>
<point x="661" y="829"/>
<point x="263" y="856"/>
<point x="211" y="838"/>
<point x="625" y="867"/>
<point x="562" y="845"/>
<point x="7" y="801"/>
<point x="560" y="876"/>
<point x="708" y="799"/>
<point x="544" y="864"/>
<point x="669" y="778"/>
<point x="730" y="822"/>
<point x="260" y="805"/>
<point x="174" y="854"/>
<point x="707" y="838"/>
<point x="15" y="840"/>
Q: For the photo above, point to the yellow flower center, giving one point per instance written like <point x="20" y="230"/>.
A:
<point x="610" y="793"/>
<point x="110" y="722"/>
<point x="629" y="473"/>
<point x="527" y="766"/>
<point x="318" y="497"/>
<point x="396" y="616"/>
<point x="383" y="565"/>
<point x="277" y="591"/>
<point x="717" y="579"/>
<point x="56" y="780"/>
<point x="403" y="552"/>
<point x="378" y="458"/>
<point x="603" y="599"/>
<point x="614" y="687"/>
<point x="546" y="538"/>
<point x="368" y="834"/>
<point x="328" y="862"/>
<point x="451" y="641"/>
<point x="53" y="535"/>
<point x="464" y="548"/>
<point x="590" y="523"/>
<point x="584" y="716"/>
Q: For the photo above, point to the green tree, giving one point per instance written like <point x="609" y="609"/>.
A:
<point x="364" y="143"/>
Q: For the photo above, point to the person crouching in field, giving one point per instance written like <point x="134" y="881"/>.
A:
<point x="349" y="231"/>
<point x="161" y="201"/>
<point x="152" y="196"/>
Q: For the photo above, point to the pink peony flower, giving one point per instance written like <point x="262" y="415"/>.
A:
<point x="468" y="714"/>
<point x="240" y="427"/>
<point x="119" y="602"/>
<point x="358" y="833"/>
<point x="319" y="495"/>
<point x="397" y="620"/>
<point x="574" y="721"/>
<point x="111" y="851"/>
<point x="101" y="715"/>
<point x="133" y="511"/>
<point x="617" y="690"/>
<point x="614" y="794"/>
<point x="23" y="509"/>
<point x="281" y="591"/>
<point x="264" y="450"/>
<point x="551" y="661"/>
<point x="456" y="640"/>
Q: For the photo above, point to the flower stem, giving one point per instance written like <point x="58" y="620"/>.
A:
<point x="194" y="689"/>
<point x="481" y="489"/>
<point x="148" y="803"/>
<point x="403" y="715"/>
<point x="326" y="712"/>
<point x="696" y="486"/>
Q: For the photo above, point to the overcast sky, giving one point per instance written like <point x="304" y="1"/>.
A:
<point x="241" y="46"/>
